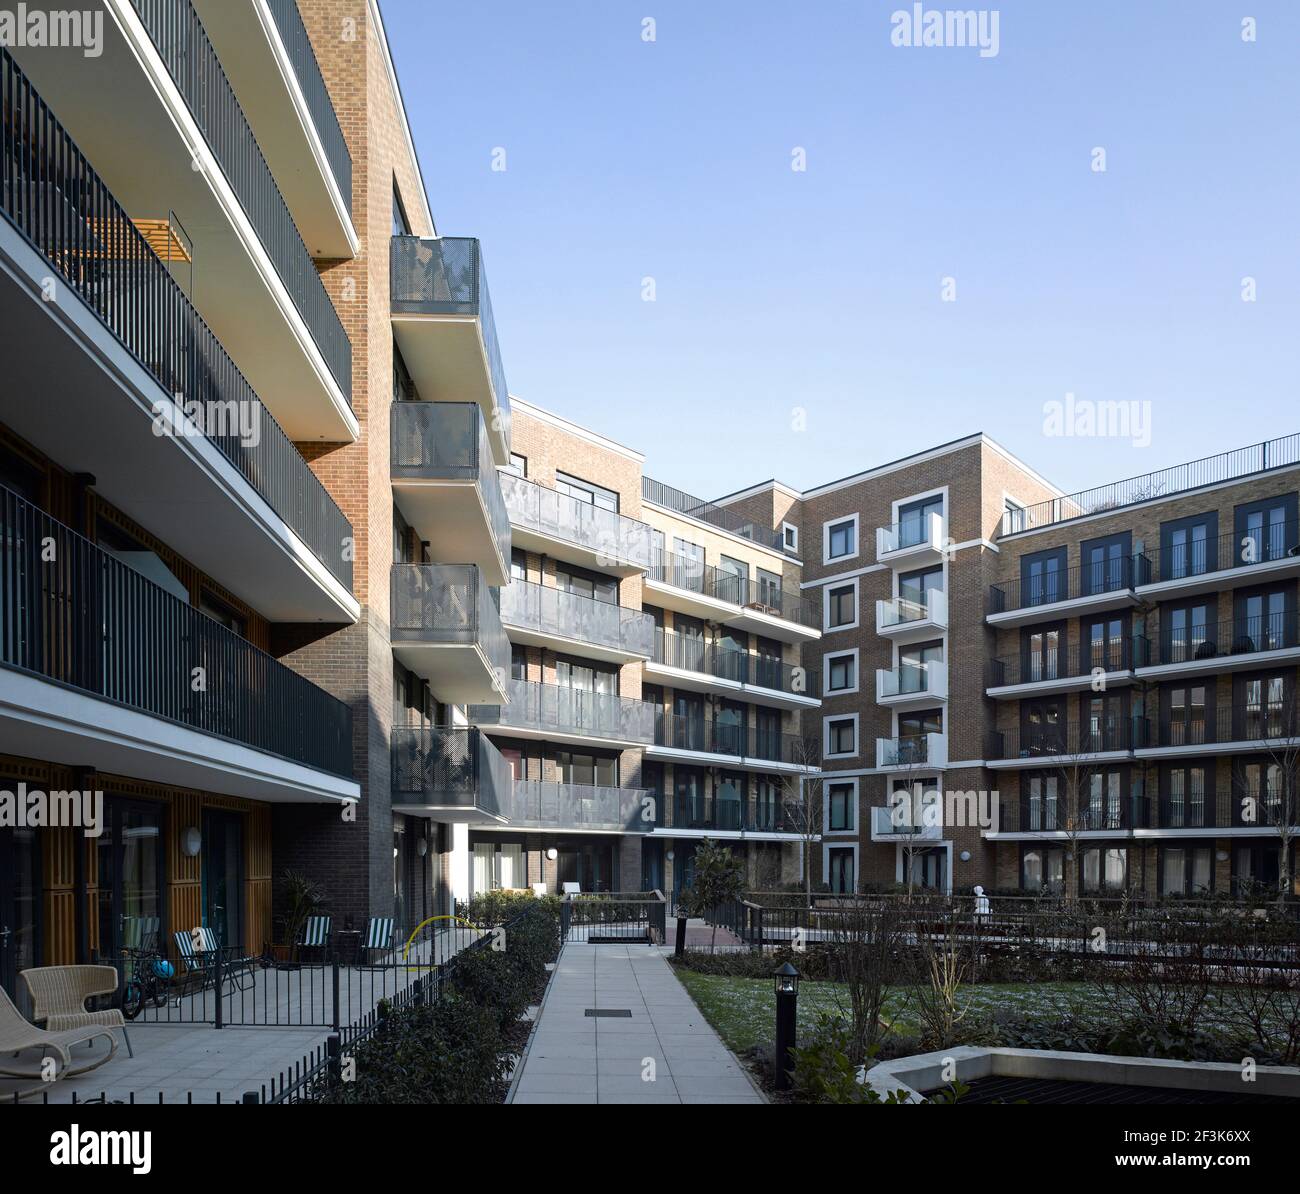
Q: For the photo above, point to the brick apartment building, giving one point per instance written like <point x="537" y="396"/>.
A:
<point x="290" y="583"/>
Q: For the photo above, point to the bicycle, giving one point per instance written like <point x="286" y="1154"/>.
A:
<point x="151" y="976"/>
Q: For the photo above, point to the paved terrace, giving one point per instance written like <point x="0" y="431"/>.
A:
<point x="278" y="1018"/>
<point x="659" y="1049"/>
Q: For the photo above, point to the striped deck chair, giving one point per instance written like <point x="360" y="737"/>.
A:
<point x="316" y="935"/>
<point x="379" y="939"/>
<point x="141" y="932"/>
<point x="198" y="950"/>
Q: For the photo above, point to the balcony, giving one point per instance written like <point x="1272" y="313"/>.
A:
<point x="741" y="748"/>
<point x="582" y="808"/>
<point x="559" y="714"/>
<point x="912" y="752"/>
<point x="905" y="621"/>
<point x="1226" y="562"/>
<point x="1244" y="643"/>
<point x="692" y="587"/>
<point x="702" y="816"/>
<point x="1235" y="729"/>
<point x="1089" y="814"/>
<point x="913" y="543"/>
<point x="270" y="62"/>
<point x="690" y="664"/>
<point x="1068" y="593"/>
<point x="1235" y="809"/>
<point x="100" y="667"/>
<point x="905" y="824"/>
<point x="450" y="774"/>
<point x="544" y="616"/>
<point x="1068" y="748"/>
<point x="216" y="478"/>
<point x="1073" y="668"/>
<point x="157" y="117"/>
<point x="554" y="524"/>
<point x="912" y="686"/>
<point x="446" y="628"/>
<point x="446" y="484"/>
<point x="442" y="320"/>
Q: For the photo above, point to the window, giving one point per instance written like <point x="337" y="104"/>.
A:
<point x="769" y="588"/>
<point x="1189" y="631"/>
<point x="841" y="799"/>
<point x="1104" y="643"/>
<point x="914" y="589"/>
<point x="688" y="565"/>
<point x="587" y="768"/>
<point x="840" y="539"/>
<point x="914" y="666"/>
<point x="841" y="609"/>
<point x="1042" y="869"/>
<point x="841" y="671"/>
<point x="1183" y="803"/>
<point x="518" y="662"/>
<point x="401" y="225"/>
<point x="1263" y="621"/>
<point x="1013" y="516"/>
<point x="571" y="579"/>
<point x="1104" y="870"/>
<point x="1189" y="546"/>
<point x="1039" y="808"/>
<point x="790" y="536"/>
<point x="403" y="387"/>
<point x="840" y="863"/>
<point x="1265" y="530"/>
<point x="1185" y="706"/>
<point x="1263" y="707"/>
<point x="1105" y="722"/>
<point x="518" y="465"/>
<point x="1258" y="794"/>
<point x="223" y="612"/>
<point x="914" y="520"/>
<point x="498" y="865"/>
<point x="518" y="564"/>
<point x="733" y="580"/>
<point x="1041" y="728"/>
<point x="1186" y="870"/>
<point x="1106" y="563"/>
<point x="1040" y="653"/>
<point x="1043" y="577"/>
<point x="587" y="492"/>
<point x="1105" y="801"/>
<point x="841" y="737"/>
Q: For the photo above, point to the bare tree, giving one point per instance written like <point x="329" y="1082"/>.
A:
<point x="1278" y="806"/>
<point x="802" y="793"/>
<point x="915" y="811"/>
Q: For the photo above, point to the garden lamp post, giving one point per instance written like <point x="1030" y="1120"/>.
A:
<point x="786" y="980"/>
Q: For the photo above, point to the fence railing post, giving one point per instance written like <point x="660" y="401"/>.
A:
<point x="334" y="992"/>
<point x="334" y="1051"/>
<point x="251" y="1096"/>
<point x="218" y="977"/>
<point x="566" y="919"/>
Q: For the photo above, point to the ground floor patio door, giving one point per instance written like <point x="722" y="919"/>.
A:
<point x="130" y="870"/>
<point x="223" y="875"/>
<point x="20" y="905"/>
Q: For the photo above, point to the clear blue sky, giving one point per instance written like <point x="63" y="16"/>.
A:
<point x="821" y="289"/>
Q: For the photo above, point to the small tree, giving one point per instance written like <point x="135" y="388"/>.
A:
<point x="719" y="879"/>
<point x="1279" y="806"/>
<point x="803" y="804"/>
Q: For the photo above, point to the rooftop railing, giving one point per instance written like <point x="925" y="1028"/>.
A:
<point x="710" y="512"/>
<point x="49" y="192"/>
<point x="73" y="614"/>
<point x="182" y="43"/>
<point x="1209" y="470"/>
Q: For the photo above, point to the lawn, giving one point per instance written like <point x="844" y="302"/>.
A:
<point x="743" y="1010"/>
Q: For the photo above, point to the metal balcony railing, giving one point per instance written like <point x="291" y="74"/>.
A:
<point x="1088" y="580"/>
<point x="1240" y="636"/>
<point x="1088" y="811"/>
<point x="49" y="192"/>
<point x="1073" y="661"/>
<point x="452" y="767"/>
<point x="742" y="667"/>
<point x="182" y="43"/>
<point x="1210" y="470"/>
<point x="73" y="614"/>
<point x="1074" y="743"/>
<point x="682" y="572"/>
<point x="293" y="33"/>
<point x="448" y="603"/>
<point x="556" y="709"/>
<point x="743" y="742"/>
<point x="546" y="511"/>
<point x="748" y="814"/>
<point x="1273" y="725"/>
<point x="542" y="804"/>
<point x="548" y="610"/>
<point x="1277" y="541"/>
<point x="710" y="512"/>
<point x="448" y="441"/>
<point x="444" y="276"/>
<point x="897" y="613"/>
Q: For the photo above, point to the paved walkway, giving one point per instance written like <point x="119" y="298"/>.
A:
<point x="664" y="1052"/>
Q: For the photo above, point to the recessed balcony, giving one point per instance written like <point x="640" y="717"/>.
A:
<point x="912" y="686"/>
<point x="1256" y="556"/>
<point x="442" y="320"/>
<point x="446" y="484"/>
<point x="582" y="808"/>
<point x="683" y="662"/>
<point x="554" y="524"/>
<point x="728" y="813"/>
<point x="729" y="746"/>
<point x="913" y="543"/>
<point x="911" y="752"/>
<point x="1066" y="593"/>
<point x="557" y="713"/>
<point x="1068" y="748"/>
<point x="445" y="627"/>
<point x="452" y="774"/>
<point x="1242" y="644"/>
<point x="1074" y="668"/>
<point x="100" y="667"/>
<point x="157" y="118"/>
<point x="1273" y="728"/>
<point x="701" y="590"/>
<point x="544" y="616"/>
<point x="903" y="620"/>
<point x="96" y="384"/>
<point x="269" y="60"/>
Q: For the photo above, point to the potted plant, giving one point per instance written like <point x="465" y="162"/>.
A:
<point x="303" y="898"/>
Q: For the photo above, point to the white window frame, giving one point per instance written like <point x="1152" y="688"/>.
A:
<point x="826" y="606"/>
<point x="827" y="753"/>
<point x="790" y="537"/>
<point x="827" y="558"/>
<point x="1008" y="500"/>
<point x="839" y="843"/>
<point x="827" y="691"/>
<point x="830" y="779"/>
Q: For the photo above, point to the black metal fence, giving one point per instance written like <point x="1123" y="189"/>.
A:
<point x="182" y="43"/>
<point x="71" y="613"/>
<point x="50" y="193"/>
<point x="639" y="917"/>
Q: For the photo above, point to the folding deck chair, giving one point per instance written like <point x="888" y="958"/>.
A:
<point x="379" y="939"/>
<point x="316" y="935"/>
